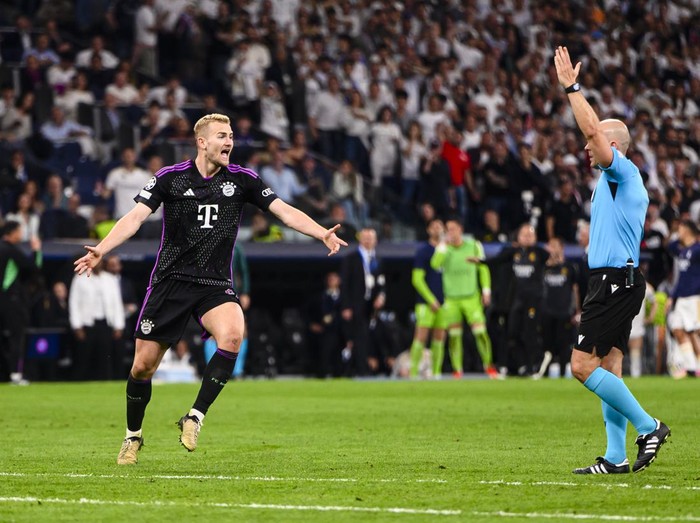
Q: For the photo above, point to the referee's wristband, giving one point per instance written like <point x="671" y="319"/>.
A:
<point x="573" y="88"/>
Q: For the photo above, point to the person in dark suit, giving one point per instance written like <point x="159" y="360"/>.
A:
<point x="362" y="297"/>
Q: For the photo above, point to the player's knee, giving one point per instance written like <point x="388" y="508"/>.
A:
<point x="143" y="370"/>
<point x="455" y="332"/>
<point x="229" y="340"/>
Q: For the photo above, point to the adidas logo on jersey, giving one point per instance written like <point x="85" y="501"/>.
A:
<point x="188" y="192"/>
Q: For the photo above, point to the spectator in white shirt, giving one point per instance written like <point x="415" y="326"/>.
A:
<point x="158" y="93"/>
<point x="491" y="99"/>
<point x="124" y="182"/>
<point x="245" y="75"/>
<point x="96" y="313"/>
<point x="326" y="120"/>
<point x="109" y="60"/>
<point x="385" y="137"/>
<point x="60" y="75"/>
<point x="431" y="117"/>
<point x="146" y="39"/>
<point x="123" y="91"/>
<point x="75" y="94"/>
<point x="273" y="115"/>
<point x="356" y="122"/>
<point x="26" y="216"/>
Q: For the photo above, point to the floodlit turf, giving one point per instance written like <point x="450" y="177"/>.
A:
<point x="294" y="451"/>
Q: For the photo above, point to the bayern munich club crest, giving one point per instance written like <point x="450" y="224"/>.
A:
<point x="146" y="326"/>
<point x="228" y="189"/>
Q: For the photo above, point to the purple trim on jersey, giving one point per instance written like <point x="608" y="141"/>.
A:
<point x="233" y="168"/>
<point x="143" y="307"/>
<point x="172" y="168"/>
<point x="233" y="251"/>
<point x="160" y="249"/>
<point x="205" y="333"/>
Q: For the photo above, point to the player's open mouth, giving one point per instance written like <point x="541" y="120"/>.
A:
<point x="225" y="153"/>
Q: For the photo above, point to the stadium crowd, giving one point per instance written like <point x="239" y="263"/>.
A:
<point x="373" y="113"/>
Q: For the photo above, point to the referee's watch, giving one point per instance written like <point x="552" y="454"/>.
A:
<point x="573" y="88"/>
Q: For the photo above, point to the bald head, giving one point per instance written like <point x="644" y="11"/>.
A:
<point x="616" y="131"/>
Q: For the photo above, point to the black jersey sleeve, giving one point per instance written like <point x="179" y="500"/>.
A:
<point x="259" y="194"/>
<point x="154" y="192"/>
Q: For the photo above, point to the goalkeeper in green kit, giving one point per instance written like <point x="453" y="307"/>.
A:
<point x="467" y="287"/>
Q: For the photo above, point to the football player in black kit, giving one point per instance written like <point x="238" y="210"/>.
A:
<point x="202" y="201"/>
<point x="560" y="307"/>
<point x="524" y="328"/>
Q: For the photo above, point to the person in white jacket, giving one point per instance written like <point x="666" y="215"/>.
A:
<point x="96" y="315"/>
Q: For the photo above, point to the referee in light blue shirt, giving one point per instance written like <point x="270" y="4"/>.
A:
<point x="616" y="288"/>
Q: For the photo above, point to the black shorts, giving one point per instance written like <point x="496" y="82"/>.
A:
<point x="169" y="304"/>
<point x="608" y="310"/>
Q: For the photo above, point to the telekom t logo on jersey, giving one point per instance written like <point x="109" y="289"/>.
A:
<point x="209" y="215"/>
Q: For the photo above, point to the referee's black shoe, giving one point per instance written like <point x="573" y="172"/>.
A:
<point x="603" y="466"/>
<point x="649" y="446"/>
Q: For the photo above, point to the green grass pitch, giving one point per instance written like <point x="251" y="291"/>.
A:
<point x="307" y="451"/>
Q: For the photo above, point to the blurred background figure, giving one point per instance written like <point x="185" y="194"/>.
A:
<point x="561" y="310"/>
<point x="15" y="268"/>
<point x="97" y="319"/>
<point x="362" y="297"/>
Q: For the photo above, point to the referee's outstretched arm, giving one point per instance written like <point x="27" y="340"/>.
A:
<point x="600" y="135"/>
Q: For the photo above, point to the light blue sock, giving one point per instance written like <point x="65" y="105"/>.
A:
<point x="616" y="430"/>
<point x="240" y="362"/>
<point x="613" y="391"/>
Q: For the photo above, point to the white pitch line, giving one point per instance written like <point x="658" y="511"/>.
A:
<point x="255" y="506"/>
<point x="565" y="515"/>
<point x="216" y="477"/>
<point x="586" y="485"/>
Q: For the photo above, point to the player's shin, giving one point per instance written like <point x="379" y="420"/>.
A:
<point x="437" y="348"/>
<point x="416" y="355"/>
<point x="483" y="345"/>
<point x="216" y="375"/>
<point x="138" y="394"/>
<point x="456" y="349"/>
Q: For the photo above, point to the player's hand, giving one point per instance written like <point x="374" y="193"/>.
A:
<point x="473" y="259"/>
<point x="35" y="243"/>
<point x="379" y="301"/>
<point x="486" y="299"/>
<point x="332" y="241"/>
<point x="435" y="306"/>
<point x="566" y="73"/>
<point x="89" y="261"/>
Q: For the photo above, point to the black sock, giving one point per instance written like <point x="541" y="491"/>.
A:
<point x="216" y="374"/>
<point x="138" y="394"/>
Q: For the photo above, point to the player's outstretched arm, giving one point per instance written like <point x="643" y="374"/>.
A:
<point x="124" y="229"/>
<point x="300" y="221"/>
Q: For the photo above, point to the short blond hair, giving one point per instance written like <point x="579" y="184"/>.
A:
<point x="205" y="120"/>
